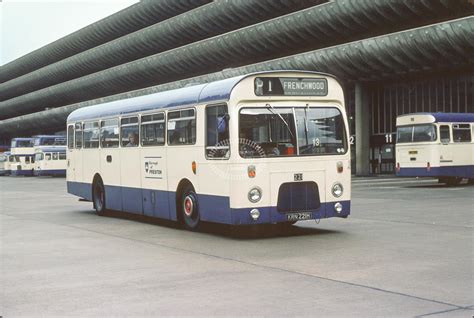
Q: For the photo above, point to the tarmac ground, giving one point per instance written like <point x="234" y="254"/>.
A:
<point x="405" y="251"/>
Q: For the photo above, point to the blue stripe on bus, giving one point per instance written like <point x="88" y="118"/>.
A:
<point x="80" y="189"/>
<point x="21" y="172"/>
<point x="212" y="208"/>
<point x="450" y="171"/>
<point x="52" y="172"/>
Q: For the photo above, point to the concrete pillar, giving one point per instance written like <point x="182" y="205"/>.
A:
<point x="362" y="130"/>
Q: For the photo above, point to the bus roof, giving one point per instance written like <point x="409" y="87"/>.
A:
<point x="186" y="96"/>
<point x="49" y="136"/>
<point x="419" y="118"/>
<point x="22" y="139"/>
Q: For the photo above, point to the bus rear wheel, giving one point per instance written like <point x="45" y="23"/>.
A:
<point x="189" y="209"/>
<point x="98" y="196"/>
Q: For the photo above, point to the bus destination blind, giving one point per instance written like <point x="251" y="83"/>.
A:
<point x="285" y="86"/>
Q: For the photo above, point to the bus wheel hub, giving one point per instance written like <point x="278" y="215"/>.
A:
<point x="188" y="206"/>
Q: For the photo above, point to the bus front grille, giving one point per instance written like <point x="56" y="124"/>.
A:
<point x="298" y="197"/>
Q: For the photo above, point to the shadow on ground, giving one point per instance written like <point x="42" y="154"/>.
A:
<point x="262" y="231"/>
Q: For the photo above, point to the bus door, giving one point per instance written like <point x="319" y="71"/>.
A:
<point x="445" y="149"/>
<point x="216" y="167"/>
<point x="70" y="163"/>
<point x="76" y="159"/>
<point x="153" y="166"/>
<point x="110" y="163"/>
<point x="130" y="166"/>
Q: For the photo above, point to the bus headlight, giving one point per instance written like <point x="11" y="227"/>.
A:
<point x="337" y="190"/>
<point x="338" y="207"/>
<point x="255" y="194"/>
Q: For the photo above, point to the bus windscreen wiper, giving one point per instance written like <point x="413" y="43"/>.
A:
<point x="271" y="109"/>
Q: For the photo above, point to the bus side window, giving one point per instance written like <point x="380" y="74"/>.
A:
<point x="62" y="156"/>
<point x="461" y="133"/>
<point x="78" y="135"/>
<point x="182" y="127"/>
<point x="55" y="156"/>
<point x="153" y="130"/>
<point x="217" y="132"/>
<point x="91" y="135"/>
<point x="129" y="132"/>
<point x="47" y="156"/>
<point x="70" y="136"/>
<point x="109" y="134"/>
<point x="444" y="134"/>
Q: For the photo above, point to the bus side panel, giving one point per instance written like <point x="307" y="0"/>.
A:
<point x="78" y="166"/>
<point x="154" y="182"/>
<point x="214" y="191"/>
<point x="90" y="165"/>
<point x="55" y="168"/>
<point x="130" y="174"/>
<point x="80" y="189"/>
<point x="446" y="160"/>
<point x="71" y="164"/>
<point x="463" y="154"/>
<point x="110" y="173"/>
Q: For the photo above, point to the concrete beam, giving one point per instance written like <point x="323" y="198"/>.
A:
<point x="362" y="130"/>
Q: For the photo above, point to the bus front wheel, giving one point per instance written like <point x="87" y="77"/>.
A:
<point x="189" y="208"/>
<point x="98" y="196"/>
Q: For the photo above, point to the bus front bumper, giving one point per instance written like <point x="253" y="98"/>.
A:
<point x="272" y="215"/>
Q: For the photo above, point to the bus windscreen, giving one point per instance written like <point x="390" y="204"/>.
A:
<point x="277" y="132"/>
<point x="416" y="133"/>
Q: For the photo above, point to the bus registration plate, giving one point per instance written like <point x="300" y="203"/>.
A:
<point x="298" y="216"/>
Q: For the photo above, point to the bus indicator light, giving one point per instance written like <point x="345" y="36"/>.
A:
<point x="340" y="167"/>
<point x="193" y="167"/>
<point x="255" y="214"/>
<point x="251" y="171"/>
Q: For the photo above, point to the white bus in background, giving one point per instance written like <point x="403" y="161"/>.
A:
<point x="437" y="145"/>
<point x="262" y="148"/>
<point x="4" y="163"/>
<point x="22" y="157"/>
<point x="50" y="161"/>
<point x="49" y="140"/>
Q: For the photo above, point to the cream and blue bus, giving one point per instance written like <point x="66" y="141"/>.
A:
<point x="50" y="161"/>
<point x="5" y="163"/>
<point x="439" y="145"/>
<point x="22" y="157"/>
<point x="262" y="148"/>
